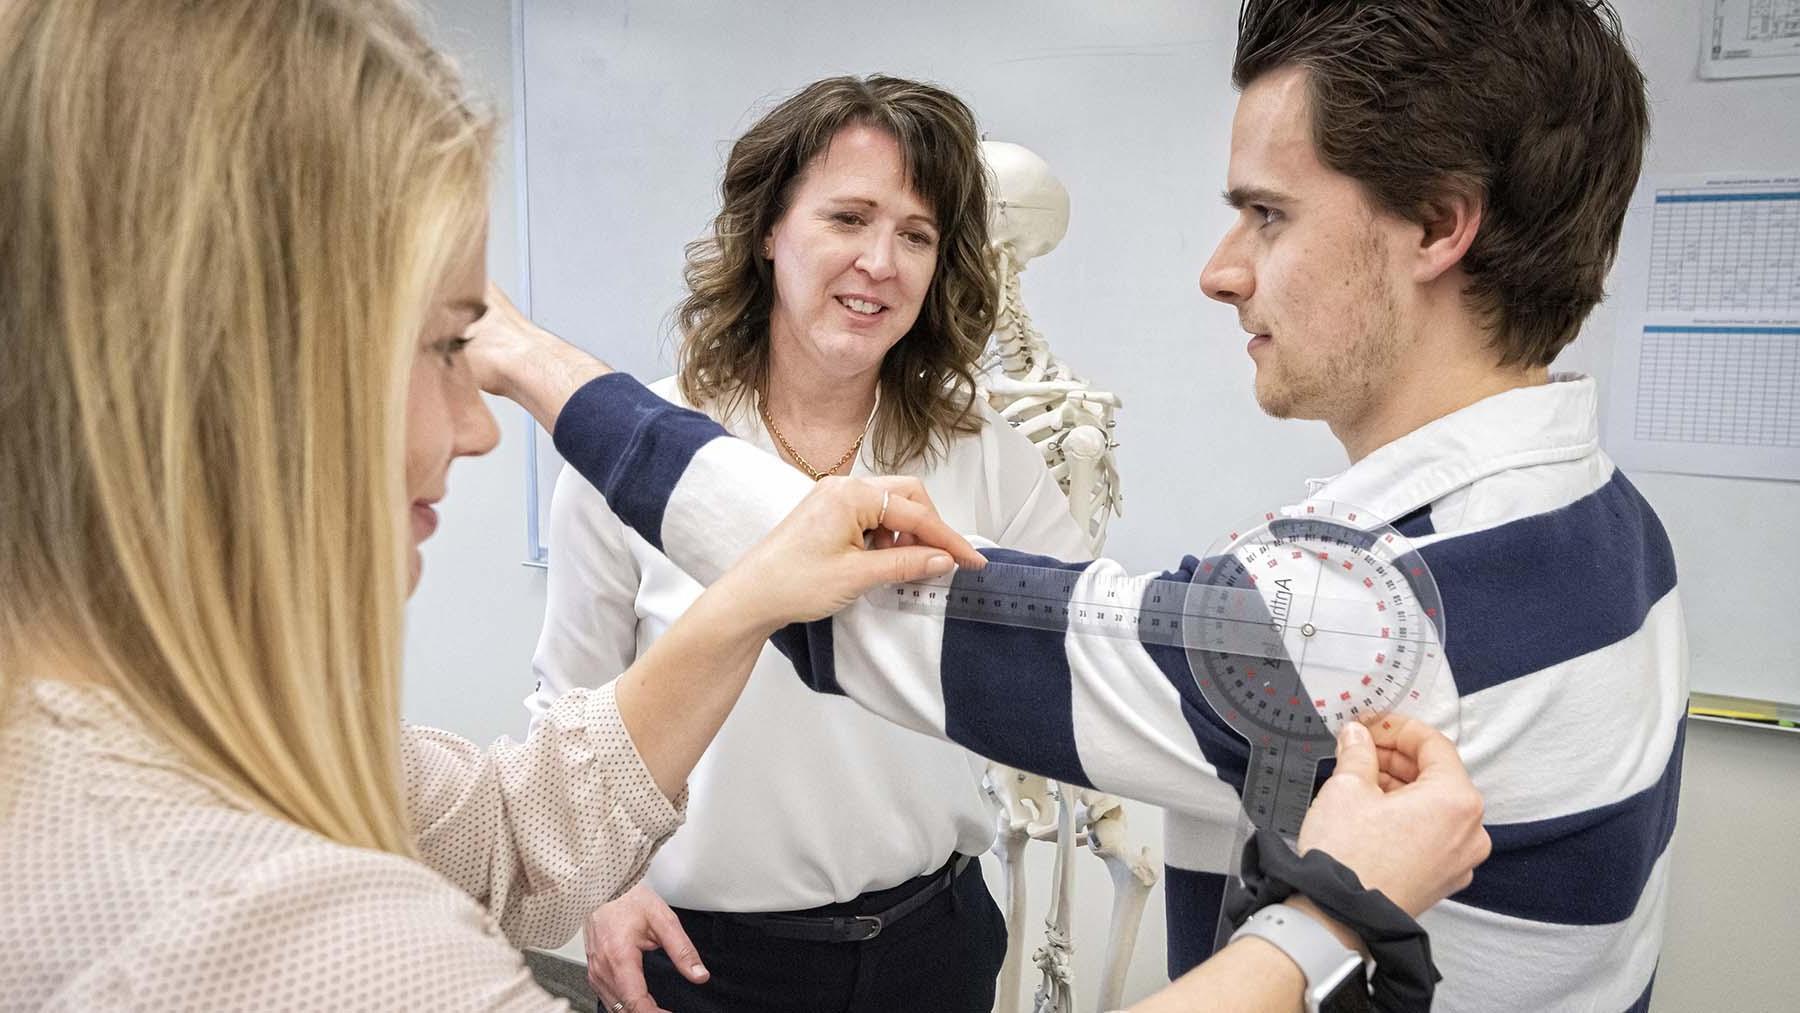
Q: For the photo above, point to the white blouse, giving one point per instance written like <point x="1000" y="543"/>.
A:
<point x="803" y="798"/>
<point x="132" y="882"/>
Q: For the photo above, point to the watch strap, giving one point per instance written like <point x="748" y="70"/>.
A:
<point x="1333" y="972"/>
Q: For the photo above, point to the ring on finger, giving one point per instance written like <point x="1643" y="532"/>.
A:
<point x="881" y="517"/>
<point x="617" y="1007"/>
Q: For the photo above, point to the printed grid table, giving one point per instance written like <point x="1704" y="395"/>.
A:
<point x="1726" y="252"/>
<point x="1726" y="385"/>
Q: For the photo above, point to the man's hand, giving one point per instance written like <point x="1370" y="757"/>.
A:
<point x="516" y="359"/>
<point x="618" y="935"/>
<point x="1401" y="811"/>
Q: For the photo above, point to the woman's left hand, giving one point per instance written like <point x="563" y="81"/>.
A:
<point x="819" y="559"/>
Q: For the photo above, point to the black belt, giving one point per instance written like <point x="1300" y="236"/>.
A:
<point x="851" y="928"/>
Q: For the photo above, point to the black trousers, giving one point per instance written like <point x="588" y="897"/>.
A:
<point x="942" y="958"/>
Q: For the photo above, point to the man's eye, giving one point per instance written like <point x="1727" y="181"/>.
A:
<point x="1268" y="214"/>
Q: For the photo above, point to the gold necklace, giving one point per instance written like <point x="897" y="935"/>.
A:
<point x="815" y="474"/>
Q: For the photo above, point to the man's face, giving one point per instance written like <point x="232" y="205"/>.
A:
<point x="1310" y="266"/>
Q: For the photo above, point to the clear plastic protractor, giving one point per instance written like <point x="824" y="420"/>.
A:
<point x="1349" y="613"/>
<point x="1305" y="618"/>
<point x="1312" y="615"/>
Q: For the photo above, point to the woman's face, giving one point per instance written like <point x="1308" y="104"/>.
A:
<point x="853" y="257"/>
<point x="445" y="415"/>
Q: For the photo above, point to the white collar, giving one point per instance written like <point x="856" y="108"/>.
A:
<point x="1549" y="422"/>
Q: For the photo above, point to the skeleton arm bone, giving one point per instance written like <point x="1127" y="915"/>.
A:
<point x="1009" y="848"/>
<point x="1056" y="992"/>
<point x="1024" y="802"/>
<point x="1132" y="877"/>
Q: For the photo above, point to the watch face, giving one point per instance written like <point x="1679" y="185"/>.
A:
<point x="1350" y="995"/>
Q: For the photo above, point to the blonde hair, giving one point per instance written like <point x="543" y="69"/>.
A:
<point x="220" y="227"/>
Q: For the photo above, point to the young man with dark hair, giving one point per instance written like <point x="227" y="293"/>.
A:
<point x="1430" y="194"/>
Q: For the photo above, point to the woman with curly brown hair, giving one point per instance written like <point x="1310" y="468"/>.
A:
<point x="833" y="318"/>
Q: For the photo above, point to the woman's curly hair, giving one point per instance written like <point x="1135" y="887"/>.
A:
<point x="927" y="380"/>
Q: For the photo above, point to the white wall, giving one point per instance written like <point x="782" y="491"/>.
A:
<point x="1732" y="933"/>
<point x="1741" y="639"/>
<point x="474" y="620"/>
<point x="1734" y="906"/>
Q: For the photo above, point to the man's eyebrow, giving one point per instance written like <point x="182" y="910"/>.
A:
<point x="1244" y="196"/>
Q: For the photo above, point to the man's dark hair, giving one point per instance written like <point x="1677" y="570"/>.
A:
<point x="1534" y="106"/>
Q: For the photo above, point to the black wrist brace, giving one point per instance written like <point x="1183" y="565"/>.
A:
<point x="1404" y="975"/>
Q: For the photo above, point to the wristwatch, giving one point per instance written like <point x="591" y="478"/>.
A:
<point x="1335" y="982"/>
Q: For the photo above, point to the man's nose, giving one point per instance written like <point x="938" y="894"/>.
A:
<point x="1227" y="276"/>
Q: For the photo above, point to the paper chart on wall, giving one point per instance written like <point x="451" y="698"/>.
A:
<point x="1706" y="376"/>
<point x="1750" y="38"/>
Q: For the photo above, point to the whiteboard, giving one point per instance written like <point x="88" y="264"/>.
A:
<point x="626" y="113"/>
<point x="1739" y="568"/>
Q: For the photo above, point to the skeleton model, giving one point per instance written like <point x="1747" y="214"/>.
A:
<point x="1071" y="425"/>
<point x="1070" y="422"/>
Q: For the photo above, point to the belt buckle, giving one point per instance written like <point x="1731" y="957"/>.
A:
<point x="862" y="928"/>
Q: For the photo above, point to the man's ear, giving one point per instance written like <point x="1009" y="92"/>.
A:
<point x="1447" y="229"/>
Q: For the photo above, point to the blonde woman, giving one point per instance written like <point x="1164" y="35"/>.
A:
<point x="242" y="245"/>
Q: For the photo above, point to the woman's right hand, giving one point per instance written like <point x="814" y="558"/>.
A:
<point x="822" y="557"/>
<point x="676" y="695"/>
<point x="616" y="937"/>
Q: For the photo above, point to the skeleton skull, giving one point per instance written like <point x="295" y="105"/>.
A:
<point x="1029" y="209"/>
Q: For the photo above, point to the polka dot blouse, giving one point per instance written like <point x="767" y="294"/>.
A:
<point x="129" y="882"/>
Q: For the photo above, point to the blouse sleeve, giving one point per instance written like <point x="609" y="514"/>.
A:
<point x="544" y="831"/>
